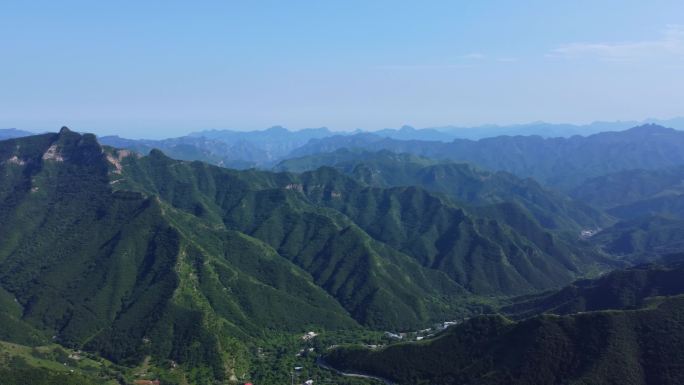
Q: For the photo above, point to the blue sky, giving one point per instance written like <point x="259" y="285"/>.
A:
<point x="165" y="68"/>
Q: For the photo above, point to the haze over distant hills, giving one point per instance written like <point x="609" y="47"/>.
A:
<point x="10" y="133"/>
<point x="543" y="129"/>
<point x="547" y="130"/>
<point x="558" y="162"/>
<point x="244" y="149"/>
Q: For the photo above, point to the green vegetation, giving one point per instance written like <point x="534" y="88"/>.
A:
<point x="127" y="275"/>
<point x="458" y="181"/>
<point x="630" y="186"/>
<point x="53" y="364"/>
<point x="196" y="274"/>
<point x="620" y="289"/>
<point x="290" y="211"/>
<point x="643" y="239"/>
<point x="650" y="204"/>
<point x="640" y="346"/>
<point x="183" y="262"/>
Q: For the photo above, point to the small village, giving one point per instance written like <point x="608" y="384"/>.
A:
<point x="299" y="371"/>
<point x="420" y="335"/>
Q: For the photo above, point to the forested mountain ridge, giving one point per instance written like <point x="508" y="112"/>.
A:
<point x="626" y="327"/>
<point x="563" y="163"/>
<point x="254" y="201"/>
<point x="125" y="275"/>
<point x="650" y="205"/>
<point x="631" y="186"/>
<point x="459" y="181"/>
<point x="620" y="289"/>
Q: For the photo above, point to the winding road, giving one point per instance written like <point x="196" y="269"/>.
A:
<point x="321" y="362"/>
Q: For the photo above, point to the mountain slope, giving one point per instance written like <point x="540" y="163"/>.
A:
<point x="461" y="182"/>
<point x="620" y="347"/>
<point x="639" y="346"/>
<point x="620" y="289"/>
<point x="127" y="275"/>
<point x="642" y="238"/>
<point x="438" y="235"/>
<point x="375" y="283"/>
<point x="631" y="186"/>
<point x="9" y="133"/>
<point x="650" y="204"/>
<point x="671" y="205"/>
<point x="503" y="251"/>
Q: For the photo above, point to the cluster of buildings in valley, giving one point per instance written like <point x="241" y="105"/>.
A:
<point x="309" y="336"/>
<point x="420" y="334"/>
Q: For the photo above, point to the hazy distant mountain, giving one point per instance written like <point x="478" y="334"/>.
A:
<point x="264" y="148"/>
<point x="560" y="162"/>
<point x="546" y="130"/>
<point x="630" y="186"/>
<point x="543" y="129"/>
<point x="275" y="142"/>
<point x="238" y="155"/>
<point x="410" y="133"/>
<point x="632" y="194"/>
<point x="670" y="205"/>
<point x="8" y="133"/>
<point x="234" y="149"/>
<point x="281" y="140"/>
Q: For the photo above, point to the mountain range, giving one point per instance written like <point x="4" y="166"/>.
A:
<point x="10" y="133"/>
<point x="461" y="182"/>
<point x="561" y="163"/>
<point x="264" y="148"/>
<point x="150" y="263"/>
<point x="130" y="256"/>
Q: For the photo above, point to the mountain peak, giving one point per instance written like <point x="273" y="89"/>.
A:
<point x="277" y="129"/>
<point x="65" y="130"/>
<point x="650" y="128"/>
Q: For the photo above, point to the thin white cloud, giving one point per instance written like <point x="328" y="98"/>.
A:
<point x="421" y="66"/>
<point x="474" y="56"/>
<point x="669" y="46"/>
